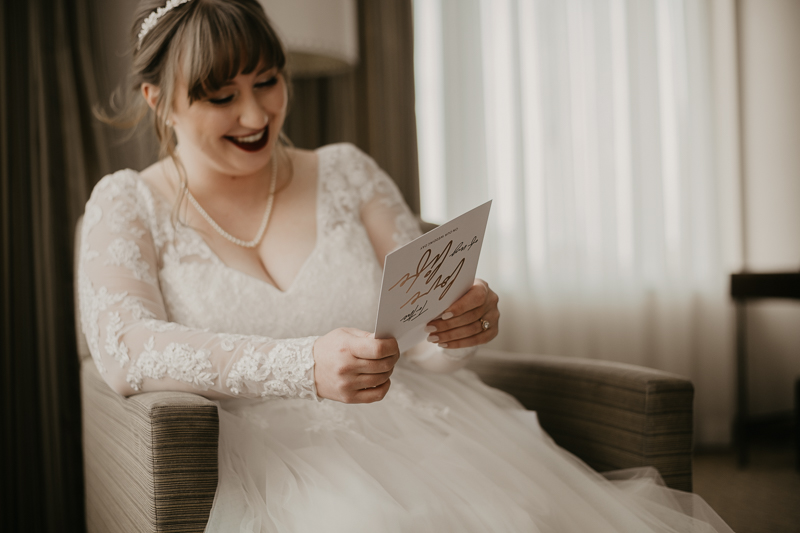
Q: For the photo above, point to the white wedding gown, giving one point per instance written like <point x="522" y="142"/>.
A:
<point x="442" y="452"/>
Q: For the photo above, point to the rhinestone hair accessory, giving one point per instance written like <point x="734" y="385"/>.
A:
<point x="152" y="19"/>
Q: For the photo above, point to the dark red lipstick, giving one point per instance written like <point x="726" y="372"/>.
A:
<point x="253" y="146"/>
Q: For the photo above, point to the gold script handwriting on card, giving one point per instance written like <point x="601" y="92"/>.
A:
<point x="428" y="267"/>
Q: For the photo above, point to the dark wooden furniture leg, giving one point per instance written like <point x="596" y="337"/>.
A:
<point x="741" y="384"/>
<point x="754" y="286"/>
<point x="797" y="424"/>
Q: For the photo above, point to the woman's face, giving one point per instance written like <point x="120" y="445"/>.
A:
<point x="234" y="130"/>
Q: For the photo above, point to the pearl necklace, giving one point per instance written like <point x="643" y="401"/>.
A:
<point x="264" y="221"/>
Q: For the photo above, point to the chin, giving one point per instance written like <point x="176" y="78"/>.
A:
<point x="244" y="163"/>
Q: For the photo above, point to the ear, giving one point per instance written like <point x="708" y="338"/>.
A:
<point x="150" y="93"/>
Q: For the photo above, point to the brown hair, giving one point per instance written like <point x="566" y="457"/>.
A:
<point x="208" y="43"/>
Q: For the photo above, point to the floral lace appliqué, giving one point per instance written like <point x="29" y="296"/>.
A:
<point x="160" y="326"/>
<point x="114" y="347"/>
<point x="93" y="215"/>
<point x="126" y="253"/>
<point x="122" y="215"/>
<point x="178" y="361"/>
<point x="359" y="182"/>
<point x="136" y="308"/>
<point x="92" y="303"/>
<point x="282" y="372"/>
<point x="119" y="183"/>
<point x="227" y="341"/>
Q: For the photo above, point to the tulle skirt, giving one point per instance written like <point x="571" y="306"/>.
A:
<point x="440" y="453"/>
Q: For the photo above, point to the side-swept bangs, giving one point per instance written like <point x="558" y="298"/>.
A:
<point x="220" y="40"/>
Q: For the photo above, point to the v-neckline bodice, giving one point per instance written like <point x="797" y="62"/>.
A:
<point x="309" y="258"/>
<point x="216" y="259"/>
<point x="200" y="290"/>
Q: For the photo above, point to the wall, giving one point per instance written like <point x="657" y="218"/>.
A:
<point x="770" y="62"/>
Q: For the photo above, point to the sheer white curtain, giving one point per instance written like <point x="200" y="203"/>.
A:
<point x="591" y="125"/>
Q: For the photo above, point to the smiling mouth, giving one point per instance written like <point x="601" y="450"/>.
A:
<point x="251" y="143"/>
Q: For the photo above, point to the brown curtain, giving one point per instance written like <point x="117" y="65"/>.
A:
<point x="372" y="107"/>
<point x="47" y="150"/>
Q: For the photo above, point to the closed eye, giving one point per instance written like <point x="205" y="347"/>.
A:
<point x="221" y="101"/>
<point x="271" y="82"/>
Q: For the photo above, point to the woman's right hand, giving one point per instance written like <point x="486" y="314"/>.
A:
<point x="351" y="366"/>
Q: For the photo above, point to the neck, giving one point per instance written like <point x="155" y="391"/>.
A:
<point x="208" y="184"/>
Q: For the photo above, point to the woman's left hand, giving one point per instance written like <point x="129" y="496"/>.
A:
<point x="463" y="324"/>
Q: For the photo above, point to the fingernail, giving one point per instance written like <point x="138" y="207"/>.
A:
<point x="429" y="329"/>
<point x="443" y="345"/>
<point x="432" y="338"/>
<point x="447" y="316"/>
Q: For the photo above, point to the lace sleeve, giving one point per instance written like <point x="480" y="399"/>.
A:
<point x="390" y="223"/>
<point x="131" y="340"/>
<point x="385" y="214"/>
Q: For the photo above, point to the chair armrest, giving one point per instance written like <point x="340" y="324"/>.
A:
<point x="611" y="415"/>
<point x="150" y="460"/>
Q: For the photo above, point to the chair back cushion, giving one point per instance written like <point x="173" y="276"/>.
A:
<point x="83" y="348"/>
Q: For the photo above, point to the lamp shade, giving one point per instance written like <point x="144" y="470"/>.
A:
<point x="321" y="36"/>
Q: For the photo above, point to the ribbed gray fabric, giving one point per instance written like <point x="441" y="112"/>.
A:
<point x="611" y="415"/>
<point x="150" y="460"/>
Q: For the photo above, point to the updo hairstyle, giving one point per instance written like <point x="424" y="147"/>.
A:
<point x="208" y="43"/>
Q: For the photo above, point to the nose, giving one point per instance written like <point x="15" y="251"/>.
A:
<point x="252" y="114"/>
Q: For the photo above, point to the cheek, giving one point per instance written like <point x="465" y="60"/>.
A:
<point x="202" y="134"/>
<point x="285" y="96"/>
<point x="280" y="113"/>
<point x="213" y="125"/>
<point x="279" y="99"/>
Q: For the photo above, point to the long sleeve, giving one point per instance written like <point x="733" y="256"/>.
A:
<point x="390" y="224"/>
<point x="130" y="337"/>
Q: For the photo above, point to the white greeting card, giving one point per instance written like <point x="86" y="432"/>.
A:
<point x="422" y="279"/>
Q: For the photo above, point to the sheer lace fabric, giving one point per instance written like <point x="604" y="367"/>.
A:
<point x="442" y="452"/>
<point x="156" y="301"/>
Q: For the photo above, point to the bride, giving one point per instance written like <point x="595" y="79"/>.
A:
<point x="248" y="271"/>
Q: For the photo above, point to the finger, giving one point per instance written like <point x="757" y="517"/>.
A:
<point x="462" y="332"/>
<point x="368" y="348"/>
<point x="369" y="381"/>
<point x="474" y="314"/>
<point x="372" y="395"/>
<point x="472" y="328"/>
<point x="355" y="332"/>
<point x="375" y="366"/>
<point x="477" y="296"/>
<point x="438" y="326"/>
<point x="473" y="331"/>
<point x="475" y="340"/>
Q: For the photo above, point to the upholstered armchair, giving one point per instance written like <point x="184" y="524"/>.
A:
<point x="151" y="460"/>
